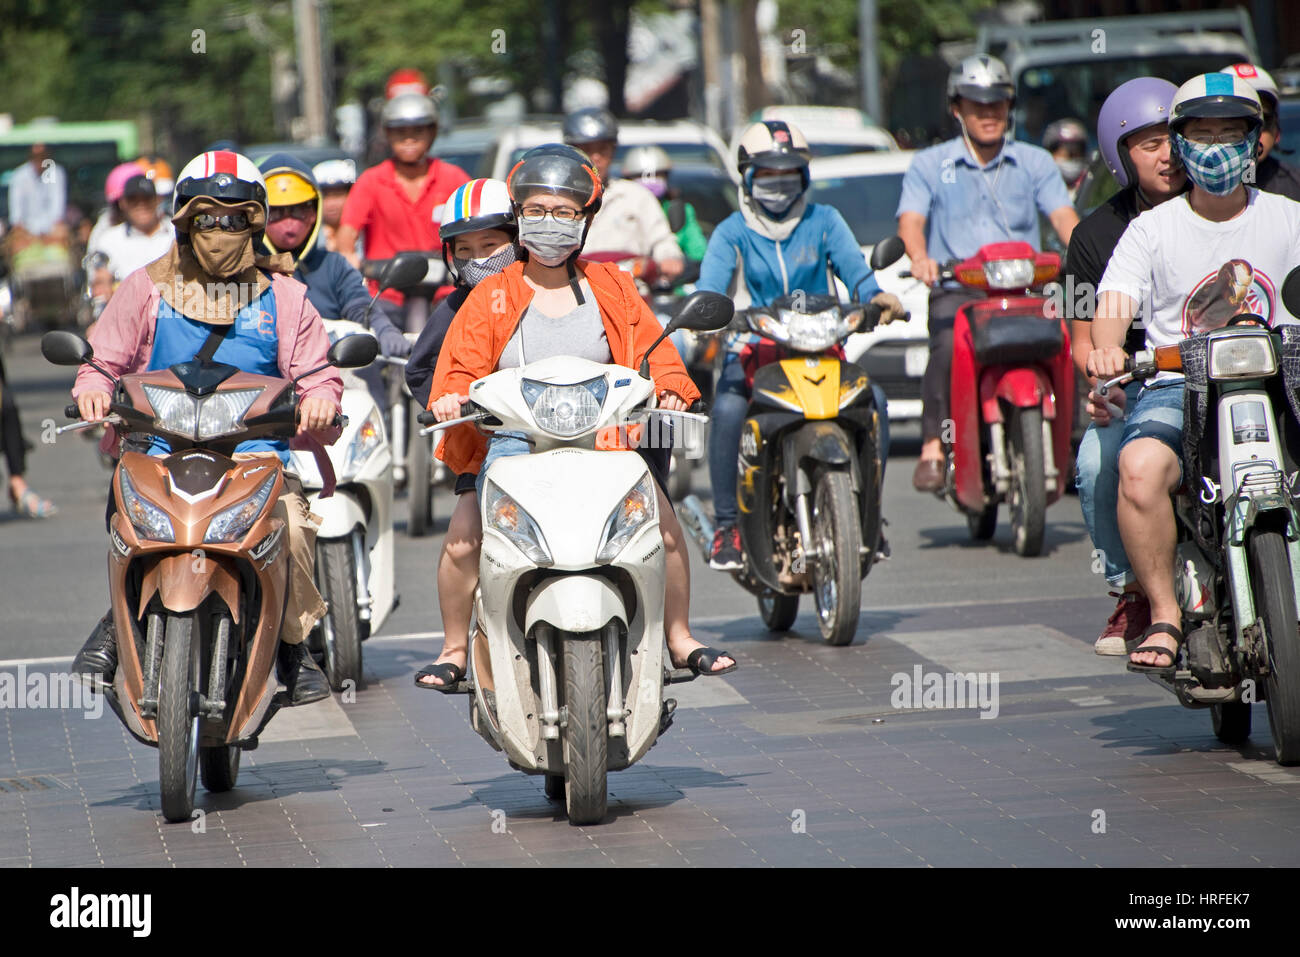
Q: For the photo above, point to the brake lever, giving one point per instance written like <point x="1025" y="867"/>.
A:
<point x="90" y="423"/>
<point x="438" y="427"/>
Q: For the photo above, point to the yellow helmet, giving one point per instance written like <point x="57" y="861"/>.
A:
<point x="287" y="188"/>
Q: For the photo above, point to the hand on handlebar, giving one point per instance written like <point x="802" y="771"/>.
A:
<point x="448" y="407"/>
<point x="93" y="406"/>
<point x="1104" y="409"/>
<point x="1107" y="363"/>
<point x="316" y="414"/>
<point x="926" y="270"/>
<point x="671" y="401"/>
<point x="890" y="306"/>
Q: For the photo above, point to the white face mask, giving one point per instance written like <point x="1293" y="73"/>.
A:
<point x="1070" y="169"/>
<point x="549" y="242"/>
<point x="776" y="194"/>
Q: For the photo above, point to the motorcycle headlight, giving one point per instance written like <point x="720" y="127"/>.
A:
<point x="368" y="438"/>
<point x="509" y="518"/>
<point x="208" y="417"/>
<point x="768" y="326"/>
<point x="149" y="521"/>
<point x="637" y="507"/>
<point x="812" y="332"/>
<point x="1242" y="356"/>
<point x="565" y="410"/>
<point x="1009" y="273"/>
<point x="175" y="410"/>
<point x="233" y="524"/>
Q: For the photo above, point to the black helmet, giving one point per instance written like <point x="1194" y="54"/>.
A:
<point x="555" y="168"/>
<point x="590" y="126"/>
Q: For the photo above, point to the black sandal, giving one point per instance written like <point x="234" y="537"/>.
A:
<point x="701" y="661"/>
<point x="450" y="675"/>
<point x="1166" y="670"/>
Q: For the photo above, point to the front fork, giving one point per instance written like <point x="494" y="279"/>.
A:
<point x="1258" y="494"/>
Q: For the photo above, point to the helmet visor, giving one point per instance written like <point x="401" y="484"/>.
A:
<point x="552" y="173"/>
<point x="985" y="94"/>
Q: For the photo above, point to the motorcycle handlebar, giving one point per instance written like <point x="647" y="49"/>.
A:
<point x="71" y="411"/>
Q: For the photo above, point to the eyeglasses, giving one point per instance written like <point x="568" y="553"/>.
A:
<point x="300" y="211"/>
<point x="561" y="214"/>
<point x="231" y="223"/>
<point x="1209" y="139"/>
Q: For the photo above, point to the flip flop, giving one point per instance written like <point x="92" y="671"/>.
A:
<point x="450" y="675"/>
<point x="701" y="661"/>
<point x="31" y="505"/>
<point x="1165" y="670"/>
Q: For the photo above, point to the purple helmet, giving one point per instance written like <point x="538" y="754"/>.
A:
<point x="1132" y="106"/>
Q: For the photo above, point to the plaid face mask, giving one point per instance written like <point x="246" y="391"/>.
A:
<point x="1218" y="168"/>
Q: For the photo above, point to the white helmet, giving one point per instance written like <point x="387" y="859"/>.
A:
<point x="335" y="172"/>
<point x="772" y="144"/>
<point x="981" y="78"/>
<point x="409" y="109"/>
<point x="644" y="161"/>
<point x="478" y="204"/>
<point x="224" y="176"/>
<point x="1215" y="95"/>
<point x="1259" y="79"/>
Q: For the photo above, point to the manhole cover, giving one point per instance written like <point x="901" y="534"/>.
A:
<point x="28" y="785"/>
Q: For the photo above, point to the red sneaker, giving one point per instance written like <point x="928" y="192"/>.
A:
<point x="1130" y="620"/>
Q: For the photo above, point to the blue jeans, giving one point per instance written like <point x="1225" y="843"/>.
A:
<point x="1158" y="414"/>
<point x="730" y="402"/>
<point x="500" y="445"/>
<point x="1096" y="476"/>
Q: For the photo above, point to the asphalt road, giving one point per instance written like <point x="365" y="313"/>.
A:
<point x="799" y="757"/>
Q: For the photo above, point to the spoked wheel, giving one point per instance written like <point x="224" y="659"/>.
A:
<point x="1271" y="584"/>
<point x="178" y="719"/>
<point x="837" y="582"/>
<point x="419" y="491"/>
<point x="1231" y="721"/>
<point x="1028" y="481"/>
<point x="983" y="524"/>
<point x="586" y="728"/>
<point x="341" y="626"/>
<point x="777" y="611"/>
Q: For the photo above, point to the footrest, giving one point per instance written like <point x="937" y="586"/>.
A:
<point x="678" y="676"/>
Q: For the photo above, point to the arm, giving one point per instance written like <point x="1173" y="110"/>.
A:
<point x="321" y="393"/>
<point x="914" y="205"/>
<point x="423" y="359"/>
<point x="1063" y="220"/>
<point x="1051" y="194"/>
<point x="355" y="216"/>
<point x="719" y="265"/>
<point x="691" y="237"/>
<point x="846" y="257"/>
<point x="119" y="336"/>
<point x="1115" y="312"/>
<point x="466" y="353"/>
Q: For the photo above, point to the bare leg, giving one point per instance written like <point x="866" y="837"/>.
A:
<point x="457" y="578"/>
<point x="1148" y="475"/>
<point x="677" y="590"/>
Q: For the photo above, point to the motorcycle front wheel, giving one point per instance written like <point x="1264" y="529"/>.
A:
<point x="178" y="722"/>
<point x="419" y="490"/>
<point x="778" y="611"/>
<point x="586" y="730"/>
<point x="837" y="582"/>
<point x="341" y="627"/>
<point x="1028" y="481"/>
<point x="1271" y="585"/>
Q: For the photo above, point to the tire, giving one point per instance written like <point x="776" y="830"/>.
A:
<point x="586" y="731"/>
<point x="1028" y="482"/>
<point x="1231" y="721"/>
<point x="679" y="476"/>
<point x="219" y="767"/>
<point x="341" y="627"/>
<point x="983" y="524"/>
<point x="554" y="787"/>
<point x="1271" y="585"/>
<point x="778" y="611"/>
<point x="419" y="489"/>
<point x="837" y="582"/>
<point x="178" y="725"/>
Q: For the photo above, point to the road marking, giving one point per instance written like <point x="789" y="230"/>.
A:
<point x="1270" y="773"/>
<point x="1014" y="652"/>
<point x="323" y="719"/>
<point x="1094" y="702"/>
<point x="15" y="662"/>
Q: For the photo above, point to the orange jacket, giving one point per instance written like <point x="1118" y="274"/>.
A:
<point x="487" y="319"/>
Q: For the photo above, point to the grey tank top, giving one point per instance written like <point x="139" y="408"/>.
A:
<point x="579" y="333"/>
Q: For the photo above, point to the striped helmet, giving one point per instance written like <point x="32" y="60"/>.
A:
<point x="478" y="204"/>
<point x="226" y="177"/>
<point x="1220" y="95"/>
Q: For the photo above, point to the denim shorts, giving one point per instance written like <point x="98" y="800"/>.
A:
<point x="500" y="445"/>
<point x="1158" y="414"/>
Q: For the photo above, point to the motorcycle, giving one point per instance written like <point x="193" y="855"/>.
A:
<point x="1012" y="395"/>
<point x="810" y="466"/>
<point x="354" y="543"/>
<point x="1238" y="560"/>
<point x="197" y="566"/>
<point x="569" y="682"/>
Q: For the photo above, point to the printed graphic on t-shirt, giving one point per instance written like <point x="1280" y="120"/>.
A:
<point x="1235" y="289"/>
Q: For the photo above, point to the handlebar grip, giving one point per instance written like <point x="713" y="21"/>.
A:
<point x="426" y="418"/>
<point x="870" y="317"/>
<point x="697" y="406"/>
<point x="71" y="411"/>
<point x="468" y="408"/>
<point x="339" y="420"/>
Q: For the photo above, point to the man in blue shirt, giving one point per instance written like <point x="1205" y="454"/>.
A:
<point x="975" y="189"/>
<point x="782" y="243"/>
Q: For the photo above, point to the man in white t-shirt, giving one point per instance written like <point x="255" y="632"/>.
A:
<point x="1219" y="250"/>
<point x="137" y="241"/>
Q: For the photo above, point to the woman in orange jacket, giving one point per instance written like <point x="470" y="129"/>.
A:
<point x="549" y="304"/>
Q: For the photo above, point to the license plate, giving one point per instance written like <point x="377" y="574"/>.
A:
<point x="915" y="359"/>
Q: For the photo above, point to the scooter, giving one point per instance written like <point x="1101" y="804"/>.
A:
<point x="1012" y="397"/>
<point x="1238" y="560"/>
<point x="569" y="682"/>
<point x="810" y="466"/>
<point x="354" y="543"/>
<point x="197" y="564"/>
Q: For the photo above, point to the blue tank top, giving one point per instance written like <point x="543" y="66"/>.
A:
<point x="251" y="347"/>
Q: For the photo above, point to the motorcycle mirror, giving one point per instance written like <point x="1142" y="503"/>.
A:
<point x="1291" y="292"/>
<point x="887" y="252"/>
<point x="353" y="352"/>
<point x="703" y="312"/>
<point x="64" y="348"/>
<point x="405" y="269"/>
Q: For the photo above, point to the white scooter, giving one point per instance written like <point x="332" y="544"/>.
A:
<point x="354" y="544"/>
<point x="571" y="575"/>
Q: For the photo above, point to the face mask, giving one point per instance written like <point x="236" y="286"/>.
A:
<point x="222" y="254"/>
<point x="474" y="271"/>
<point x="1071" y="169"/>
<point x="776" y="194"/>
<point x="549" y="242"/>
<point x="1218" y="169"/>
<point x="656" y="185"/>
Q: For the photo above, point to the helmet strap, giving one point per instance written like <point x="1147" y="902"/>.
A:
<point x="573" y="278"/>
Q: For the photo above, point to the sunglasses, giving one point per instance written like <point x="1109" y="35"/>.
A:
<point x="230" y="223"/>
<point x="301" y="211"/>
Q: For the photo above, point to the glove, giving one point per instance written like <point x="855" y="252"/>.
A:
<point x="393" y="343"/>
<point x="890" y="307"/>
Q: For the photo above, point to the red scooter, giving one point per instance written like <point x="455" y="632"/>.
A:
<point x="1012" y="395"/>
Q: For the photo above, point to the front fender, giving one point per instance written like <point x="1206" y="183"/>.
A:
<point x="823" y="442"/>
<point x="340" y="513"/>
<point x="575" y="603"/>
<point x="182" y="582"/>
<point x="1020" y="387"/>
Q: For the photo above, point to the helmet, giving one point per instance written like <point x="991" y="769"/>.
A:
<point x="405" y="81"/>
<point x="981" y="78"/>
<point x="1257" y="78"/>
<point x="221" y="175"/>
<point x="554" y="168"/>
<point x="160" y="172"/>
<point x="1215" y="95"/>
<point x="335" y="172"/>
<point x="1064" y="132"/>
<point x="589" y="126"/>
<point x="409" y="109"/>
<point x="772" y="144"/>
<point x="1132" y="106"/>
<point x="287" y="188"/>
<point x="117" y="178"/>
<point x="478" y="204"/>
<point x="643" y="161"/>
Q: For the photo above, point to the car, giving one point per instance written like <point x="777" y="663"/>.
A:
<point x="710" y="190"/>
<point x="865" y="188"/>
<point x="832" y="130"/>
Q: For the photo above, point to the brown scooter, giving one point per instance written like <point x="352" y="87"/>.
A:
<point x="197" y="563"/>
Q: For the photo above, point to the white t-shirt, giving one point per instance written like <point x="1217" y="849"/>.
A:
<point x="1196" y="274"/>
<point x="128" y="249"/>
<point x="631" y="220"/>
